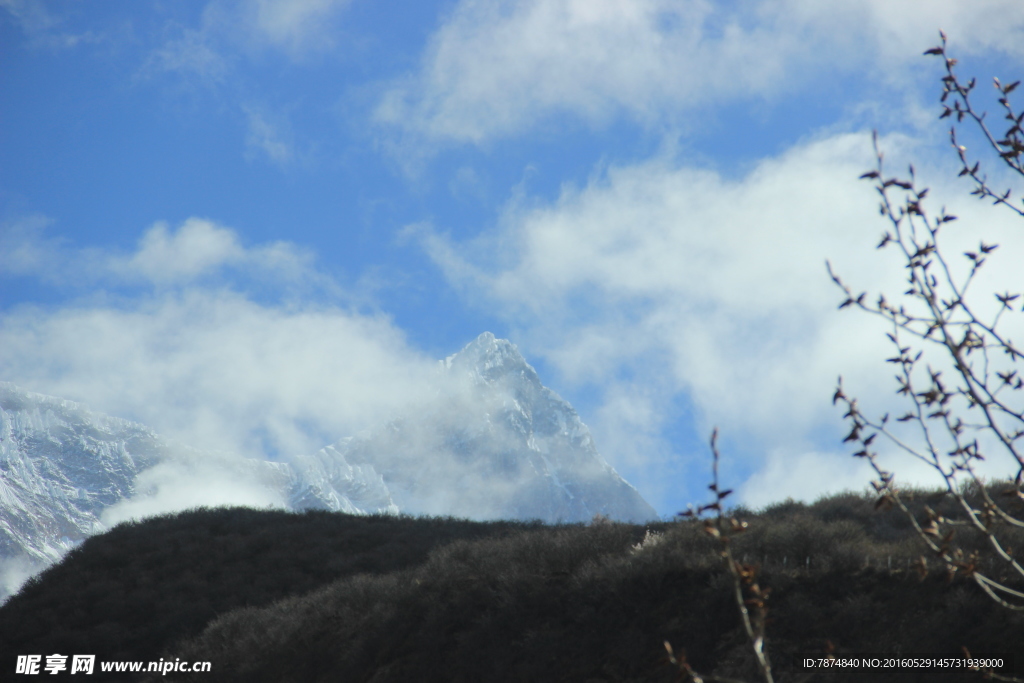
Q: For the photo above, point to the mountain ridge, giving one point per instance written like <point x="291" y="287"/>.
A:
<point x="493" y="443"/>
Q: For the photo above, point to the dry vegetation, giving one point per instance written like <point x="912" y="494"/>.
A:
<point x="957" y="369"/>
<point x="275" y="596"/>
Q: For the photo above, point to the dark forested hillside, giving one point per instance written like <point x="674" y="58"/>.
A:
<point x="271" y="596"/>
<point x="128" y="593"/>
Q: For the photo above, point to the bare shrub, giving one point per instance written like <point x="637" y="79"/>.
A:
<point x="976" y="411"/>
<point x="957" y="368"/>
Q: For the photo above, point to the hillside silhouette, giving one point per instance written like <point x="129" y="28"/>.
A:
<point x="128" y="593"/>
<point x="278" y="596"/>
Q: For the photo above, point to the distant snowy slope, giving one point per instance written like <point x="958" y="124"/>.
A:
<point x="64" y="470"/>
<point x="492" y="443"/>
<point x="60" y="467"/>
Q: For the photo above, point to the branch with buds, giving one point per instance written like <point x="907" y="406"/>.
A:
<point x="1010" y="148"/>
<point x="751" y="598"/>
<point x="961" y="419"/>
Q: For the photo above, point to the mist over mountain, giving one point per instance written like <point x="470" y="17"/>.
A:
<point x="495" y="444"/>
<point x="492" y="443"/>
<point x="67" y="473"/>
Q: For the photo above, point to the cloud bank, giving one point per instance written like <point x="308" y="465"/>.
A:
<point x="495" y="69"/>
<point x="674" y="279"/>
<point x="180" y="346"/>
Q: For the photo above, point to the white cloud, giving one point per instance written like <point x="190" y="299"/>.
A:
<point x="693" y="285"/>
<point x="804" y="477"/>
<point x="208" y="365"/>
<point x="901" y="29"/>
<point x="214" y="368"/>
<point x="14" y="571"/>
<point x="182" y="484"/>
<point x="495" y="68"/>
<point x="26" y="250"/>
<point x="199" y="248"/>
<point x="667" y="259"/>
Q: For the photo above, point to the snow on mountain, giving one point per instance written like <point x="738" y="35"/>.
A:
<point x="60" y="466"/>
<point x="495" y="443"/>
<point x="67" y="472"/>
<point x="325" y="480"/>
<point x="492" y="443"/>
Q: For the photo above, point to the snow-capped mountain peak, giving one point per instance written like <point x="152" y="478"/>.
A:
<point x="490" y="358"/>
<point x="495" y="442"/>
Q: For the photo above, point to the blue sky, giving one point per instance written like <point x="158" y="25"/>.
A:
<point x="255" y="224"/>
